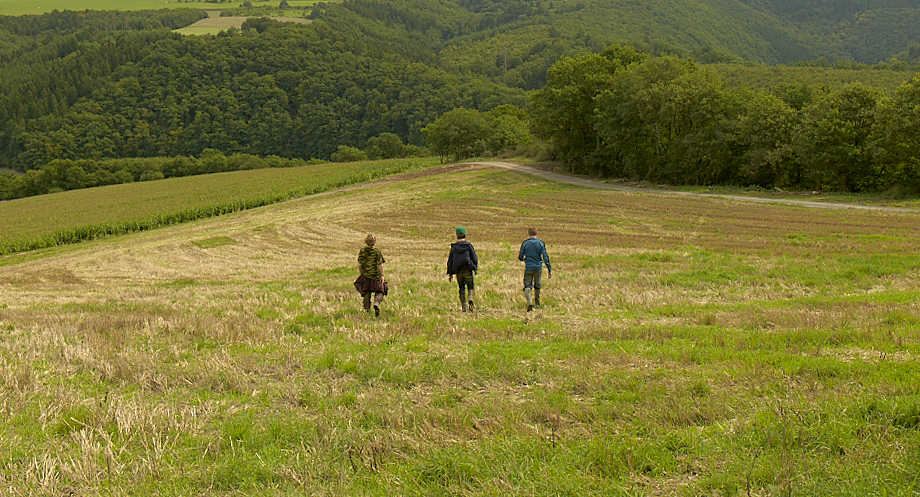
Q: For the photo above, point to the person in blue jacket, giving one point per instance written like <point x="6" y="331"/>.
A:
<point x="533" y="253"/>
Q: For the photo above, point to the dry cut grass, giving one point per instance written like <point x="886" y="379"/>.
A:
<point x="686" y="346"/>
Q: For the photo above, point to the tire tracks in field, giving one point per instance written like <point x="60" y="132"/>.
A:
<point x="587" y="183"/>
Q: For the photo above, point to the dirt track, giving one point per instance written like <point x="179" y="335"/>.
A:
<point x="587" y="183"/>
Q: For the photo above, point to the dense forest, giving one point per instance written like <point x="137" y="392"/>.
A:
<point x="626" y="114"/>
<point x="109" y="85"/>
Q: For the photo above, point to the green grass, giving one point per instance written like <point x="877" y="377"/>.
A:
<point x="199" y="30"/>
<point x="40" y="222"/>
<point x="687" y="346"/>
<point x="20" y="7"/>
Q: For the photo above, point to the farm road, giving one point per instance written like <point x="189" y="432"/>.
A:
<point x="587" y="183"/>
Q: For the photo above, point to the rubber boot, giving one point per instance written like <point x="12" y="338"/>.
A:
<point x="463" y="302"/>
<point x="469" y="304"/>
<point x="527" y="296"/>
<point x="536" y="297"/>
<point x="378" y="299"/>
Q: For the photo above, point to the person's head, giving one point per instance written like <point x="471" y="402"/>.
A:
<point x="461" y="232"/>
<point x="370" y="240"/>
<point x="532" y="231"/>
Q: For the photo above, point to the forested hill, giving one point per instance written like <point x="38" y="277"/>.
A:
<point x="515" y="41"/>
<point x="117" y="84"/>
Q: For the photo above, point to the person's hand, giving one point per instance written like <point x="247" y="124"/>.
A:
<point x="549" y="274"/>
<point x="450" y="277"/>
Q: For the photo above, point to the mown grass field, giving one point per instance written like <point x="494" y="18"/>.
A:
<point x="76" y="215"/>
<point x="214" y="25"/>
<point x="687" y="346"/>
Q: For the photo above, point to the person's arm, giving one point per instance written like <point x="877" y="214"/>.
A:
<point x="549" y="269"/>
<point x="521" y="252"/>
<point x="450" y="259"/>
<point x="473" y="258"/>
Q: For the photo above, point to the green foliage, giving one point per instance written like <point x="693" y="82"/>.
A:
<point x="563" y="110"/>
<point x="94" y="85"/>
<point x="667" y="119"/>
<point x="30" y="224"/>
<point x="896" y="140"/>
<point x="834" y="139"/>
<point x="63" y="175"/>
<point x="374" y="73"/>
<point x="309" y="89"/>
<point x="386" y="146"/>
<point x="664" y="119"/>
<point x="463" y="133"/>
<point x="458" y="134"/>
<point x="346" y="153"/>
<point x="509" y="129"/>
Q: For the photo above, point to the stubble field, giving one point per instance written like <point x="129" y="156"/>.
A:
<point x="687" y="346"/>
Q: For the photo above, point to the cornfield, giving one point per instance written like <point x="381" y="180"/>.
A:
<point x="81" y="215"/>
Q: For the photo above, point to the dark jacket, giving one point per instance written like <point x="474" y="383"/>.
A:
<point x="462" y="255"/>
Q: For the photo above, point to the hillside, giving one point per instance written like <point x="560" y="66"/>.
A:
<point x="686" y="345"/>
<point x="103" y="84"/>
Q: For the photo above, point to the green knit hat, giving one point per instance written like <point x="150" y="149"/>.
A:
<point x="461" y="230"/>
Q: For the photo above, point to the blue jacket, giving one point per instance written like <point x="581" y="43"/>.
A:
<point x="533" y="253"/>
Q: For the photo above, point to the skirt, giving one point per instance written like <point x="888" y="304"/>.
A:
<point x="363" y="285"/>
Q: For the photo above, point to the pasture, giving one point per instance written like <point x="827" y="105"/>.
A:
<point x="22" y="7"/>
<point x="687" y="346"/>
<point x="214" y="25"/>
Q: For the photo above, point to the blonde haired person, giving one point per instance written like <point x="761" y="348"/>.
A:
<point x="371" y="279"/>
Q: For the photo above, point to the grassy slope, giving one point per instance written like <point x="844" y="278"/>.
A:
<point x="21" y="7"/>
<point x="36" y="221"/>
<point x="687" y="346"/>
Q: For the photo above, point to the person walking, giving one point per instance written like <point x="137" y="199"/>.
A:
<point x="533" y="253"/>
<point x="371" y="280"/>
<point x="463" y="263"/>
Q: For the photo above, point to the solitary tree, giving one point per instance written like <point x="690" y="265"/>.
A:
<point x="459" y="133"/>
<point x="385" y="146"/>
<point x="347" y="153"/>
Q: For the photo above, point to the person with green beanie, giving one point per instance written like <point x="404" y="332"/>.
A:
<point x="463" y="263"/>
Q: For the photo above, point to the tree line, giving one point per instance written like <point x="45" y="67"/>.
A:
<point x="271" y="88"/>
<point x="622" y="113"/>
<point x="99" y="85"/>
<point x="73" y="174"/>
<point x="69" y="174"/>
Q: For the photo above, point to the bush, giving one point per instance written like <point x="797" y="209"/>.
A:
<point x="347" y="153"/>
